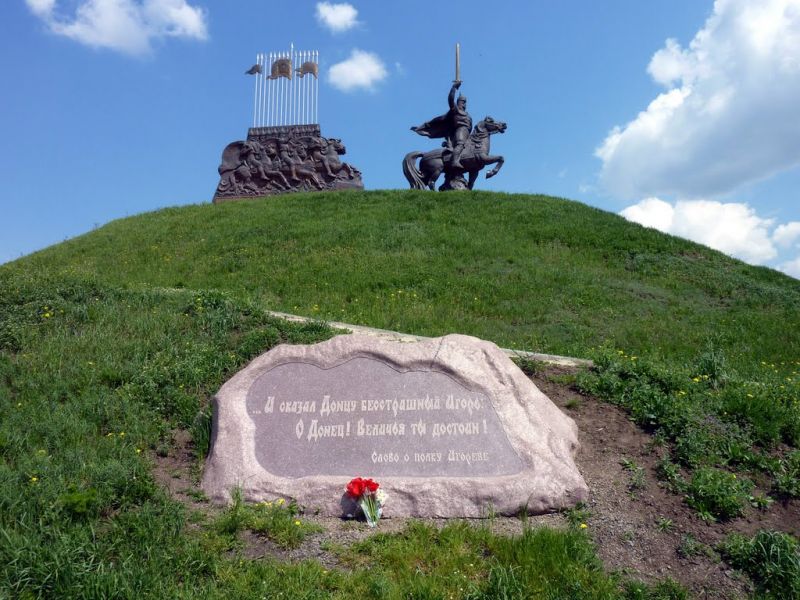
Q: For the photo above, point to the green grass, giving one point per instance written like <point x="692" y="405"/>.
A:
<point x="93" y="378"/>
<point x="771" y="558"/>
<point x="275" y="519"/>
<point x="110" y="341"/>
<point x="531" y="272"/>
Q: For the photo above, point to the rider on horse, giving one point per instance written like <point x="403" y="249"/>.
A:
<point x="455" y="125"/>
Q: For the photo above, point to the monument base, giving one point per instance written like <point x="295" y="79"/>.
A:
<point x="448" y="427"/>
<point x="284" y="159"/>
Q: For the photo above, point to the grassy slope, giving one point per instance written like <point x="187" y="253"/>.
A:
<point x="524" y="271"/>
<point x="96" y="366"/>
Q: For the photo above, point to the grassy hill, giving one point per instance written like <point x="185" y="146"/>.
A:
<point x="524" y="271"/>
<point x="112" y="343"/>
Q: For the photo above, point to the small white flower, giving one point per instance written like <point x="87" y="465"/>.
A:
<point x="381" y="496"/>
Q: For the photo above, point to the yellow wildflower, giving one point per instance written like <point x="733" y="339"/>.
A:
<point x="297" y="522"/>
<point x="584" y="526"/>
<point x="279" y="501"/>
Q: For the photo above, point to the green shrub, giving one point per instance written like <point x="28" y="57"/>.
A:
<point x="528" y="365"/>
<point x="668" y="589"/>
<point x="257" y="341"/>
<point x="770" y="558"/>
<point x="712" y="366"/>
<point x="78" y="503"/>
<point x="670" y="473"/>
<point x="690" y="547"/>
<point x="787" y="477"/>
<point x="718" y="494"/>
<point x="758" y="408"/>
<point x="637" y="480"/>
<point x="711" y="441"/>
<point x="235" y="517"/>
<point x="201" y="432"/>
<point x="280" y="522"/>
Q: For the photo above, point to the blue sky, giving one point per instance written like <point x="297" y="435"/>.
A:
<point x="683" y="115"/>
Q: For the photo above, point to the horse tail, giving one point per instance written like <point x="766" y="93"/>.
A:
<point x="413" y="175"/>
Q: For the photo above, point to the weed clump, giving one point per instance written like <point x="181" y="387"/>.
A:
<point x="278" y="520"/>
<point x="787" y="476"/>
<point x="770" y="558"/>
<point x="718" y="494"/>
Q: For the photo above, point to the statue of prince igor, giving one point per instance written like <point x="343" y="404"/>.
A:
<point x="465" y="151"/>
<point x="455" y="125"/>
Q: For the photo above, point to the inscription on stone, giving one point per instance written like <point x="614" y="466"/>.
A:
<point x="363" y="416"/>
<point x="448" y="426"/>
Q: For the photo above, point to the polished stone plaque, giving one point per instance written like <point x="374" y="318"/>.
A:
<point x="363" y="416"/>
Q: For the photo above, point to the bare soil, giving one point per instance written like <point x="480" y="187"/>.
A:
<point x="638" y="526"/>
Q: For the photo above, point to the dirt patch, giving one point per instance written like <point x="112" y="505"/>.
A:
<point x="640" y="528"/>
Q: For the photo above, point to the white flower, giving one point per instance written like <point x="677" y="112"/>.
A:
<point x="381" y="496"/>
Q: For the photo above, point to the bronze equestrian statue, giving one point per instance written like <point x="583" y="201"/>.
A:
<point x="464" y="150"/>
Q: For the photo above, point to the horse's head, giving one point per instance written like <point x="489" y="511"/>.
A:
<point x="337" y="145"/>
<point x="491" y="126"/>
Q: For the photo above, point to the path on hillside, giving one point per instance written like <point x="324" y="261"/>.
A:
<point x="551" y="359"/>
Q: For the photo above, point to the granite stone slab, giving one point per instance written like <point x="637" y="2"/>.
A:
<point x="449" y="427"/>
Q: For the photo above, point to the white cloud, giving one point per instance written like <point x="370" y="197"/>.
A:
<point x="732" y="228"/>
<point x="651" y="212"/>
<point x="730" y="111"/>
<point x="337" y="17"/>
<point x="41" y="8"/>
<point x="785" y="235"/>
<point x="127" y="26"/>
<point x="791" y="268"/>
<point x="362" y="70"/>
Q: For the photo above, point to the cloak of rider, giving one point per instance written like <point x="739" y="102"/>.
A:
<point x="438" y="127"/>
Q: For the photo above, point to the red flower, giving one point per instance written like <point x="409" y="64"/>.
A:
<point x="358" y="487"/>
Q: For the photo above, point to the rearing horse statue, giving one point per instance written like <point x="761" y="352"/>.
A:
<point x="474" y="157"/>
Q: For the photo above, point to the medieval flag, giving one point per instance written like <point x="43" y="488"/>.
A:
<point x="308" y="68"/>
<point x="281" y="68"/>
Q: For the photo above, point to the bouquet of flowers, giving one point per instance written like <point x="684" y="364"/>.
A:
<point x="369" y="497"/>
